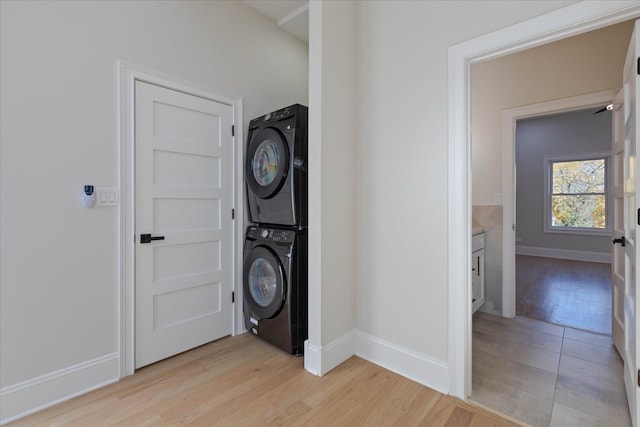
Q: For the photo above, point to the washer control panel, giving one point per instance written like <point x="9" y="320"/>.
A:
<point x="272" y="234"/>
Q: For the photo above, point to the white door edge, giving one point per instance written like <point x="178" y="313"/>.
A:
<point x="509" y="118"/>
<point x="566" y="22"/>
<point x="128" y="74"/>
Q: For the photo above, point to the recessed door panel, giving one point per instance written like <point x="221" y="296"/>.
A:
<point x="169" y="169"/>
<point x="187" y="214"/>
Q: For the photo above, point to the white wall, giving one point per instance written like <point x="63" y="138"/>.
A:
<point x="59" y="266"/>
<point x="557" y="135"/>
<point x="338" y="193"/>
<point x="332" y="186"/>
<point x="402" y="177"/>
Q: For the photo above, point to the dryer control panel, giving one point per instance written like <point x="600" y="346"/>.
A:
<point x="278" y="115"/>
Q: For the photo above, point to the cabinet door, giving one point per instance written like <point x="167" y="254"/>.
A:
<point x="477" y="281"/>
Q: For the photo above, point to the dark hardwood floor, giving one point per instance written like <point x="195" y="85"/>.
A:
<point x="564" y="292"/>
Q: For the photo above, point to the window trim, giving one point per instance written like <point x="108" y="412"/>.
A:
<point x="547" y="194"/>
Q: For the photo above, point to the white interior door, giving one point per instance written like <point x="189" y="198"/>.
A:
<point x="631" y="176"/>
<point x="183" y="200"/>
<point x="617" y="266"/>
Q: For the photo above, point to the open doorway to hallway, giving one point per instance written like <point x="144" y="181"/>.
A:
<point x="526" y="368"/>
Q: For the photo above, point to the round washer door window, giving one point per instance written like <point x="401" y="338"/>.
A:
<point x="264" y="282"/>
<point x="267" y="162"/>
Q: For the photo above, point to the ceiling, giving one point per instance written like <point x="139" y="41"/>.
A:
<point x="290" y="15"/>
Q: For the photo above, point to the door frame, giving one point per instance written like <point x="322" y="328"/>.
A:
<point x="509" y="118"/>
<point x="128" y="74"/>
<point x="562" y="23"/>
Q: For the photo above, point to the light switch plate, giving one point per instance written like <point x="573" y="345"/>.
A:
<point x="107" y="196"/>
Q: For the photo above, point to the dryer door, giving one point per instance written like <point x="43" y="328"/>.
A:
<point x="264" y="282"/>
<point x="267" y="162"/>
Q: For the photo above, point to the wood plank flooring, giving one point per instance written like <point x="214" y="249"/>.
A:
<point x="243" y="381"/>
<point x="547" y="375"/>
<point x="565" y="292"/>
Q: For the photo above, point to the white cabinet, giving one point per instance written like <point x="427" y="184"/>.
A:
<point x="477" y="271"/>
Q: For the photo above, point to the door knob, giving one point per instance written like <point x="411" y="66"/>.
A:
<point x="147" y="238"/>
<point x="619" y="240"/>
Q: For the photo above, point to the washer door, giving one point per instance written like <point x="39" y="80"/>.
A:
<point x="264" y="282"/>
<point x="267" y="162"/>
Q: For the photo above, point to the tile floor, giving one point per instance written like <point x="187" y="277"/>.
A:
<point x="546" y="374"/>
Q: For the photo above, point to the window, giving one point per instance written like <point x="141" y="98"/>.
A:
<point x="577" y="195"/>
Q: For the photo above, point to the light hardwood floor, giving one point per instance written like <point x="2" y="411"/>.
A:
<point x="547" y="375"/>
<point x="243" y="381"/>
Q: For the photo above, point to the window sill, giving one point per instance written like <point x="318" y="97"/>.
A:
<point x="579" y="231"/>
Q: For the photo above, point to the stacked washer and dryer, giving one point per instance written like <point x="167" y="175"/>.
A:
<point x="275" y="248"/>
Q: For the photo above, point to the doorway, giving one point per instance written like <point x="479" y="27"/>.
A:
<point x="547" y="365"/>
<point x="535" y="32"/>
<point x="129" y="76"/>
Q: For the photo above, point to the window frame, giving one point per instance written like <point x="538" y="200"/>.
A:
<point x="548" y="193"/>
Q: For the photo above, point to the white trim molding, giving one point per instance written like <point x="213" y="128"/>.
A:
<point x="564" y="254"/>
<point x="128" y="74"/>
<point x="405" y="362"/>
<point x="320" y="360"/>
<point x="569" y="21"/>
<point x="417" y="367"/>
<point x="22" y="399"/>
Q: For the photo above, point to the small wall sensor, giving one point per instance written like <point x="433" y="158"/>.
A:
<point x="88" y="196"/>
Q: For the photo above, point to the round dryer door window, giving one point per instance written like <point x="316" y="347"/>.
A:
<point x="264" y="282"/>
<point x="267" y="162"/>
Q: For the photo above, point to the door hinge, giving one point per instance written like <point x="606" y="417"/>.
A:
<point x="638" y="67"/>
<point x="233" y="296"/>
<point x="638" y="217"/>
<point x="233" y="130"/>
<point x="638" y="377"/>
<point x="233" y="214"/>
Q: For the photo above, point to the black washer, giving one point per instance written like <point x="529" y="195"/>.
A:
<point x="275" y="286"/>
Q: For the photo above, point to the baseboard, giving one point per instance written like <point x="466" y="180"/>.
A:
<point x="405" y="362"/>
<point x="312" y="358"/>
<point x="417" y="367"/>
<point x="564" y="254"/>
<point x="488" y="307"/>
<point x="320" y="360"/>
<point x="19" y="400"/>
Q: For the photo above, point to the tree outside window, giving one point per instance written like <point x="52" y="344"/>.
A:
<point x="578" y="194"/>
